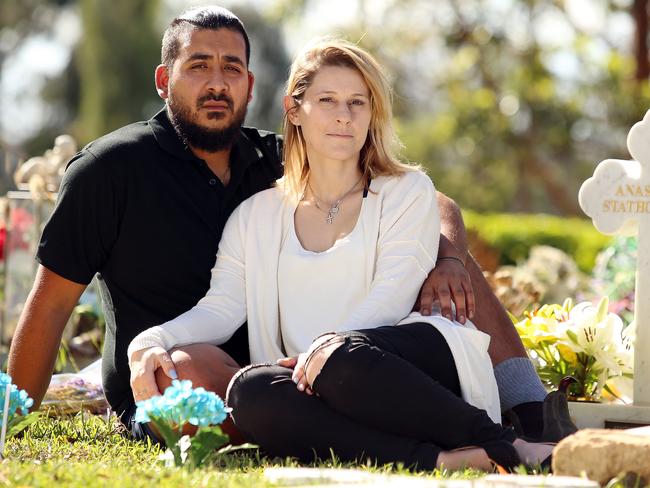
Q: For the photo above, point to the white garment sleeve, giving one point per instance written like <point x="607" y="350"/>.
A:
<point x="409" y="233"/>
<point x="216" y="317"/>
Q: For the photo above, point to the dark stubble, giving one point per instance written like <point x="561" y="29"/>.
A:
<point x="200" y="137"/>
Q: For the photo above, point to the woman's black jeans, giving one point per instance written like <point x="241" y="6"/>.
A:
<point x="389" y="394"/>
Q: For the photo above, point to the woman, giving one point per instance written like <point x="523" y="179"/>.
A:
<point x="341" y="247"/>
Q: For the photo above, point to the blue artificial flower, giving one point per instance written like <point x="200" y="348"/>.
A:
<point x="181" y="403"/>
<point x="18" y="399"/>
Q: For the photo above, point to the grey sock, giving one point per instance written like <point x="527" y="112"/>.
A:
<point x="518" y="383"/>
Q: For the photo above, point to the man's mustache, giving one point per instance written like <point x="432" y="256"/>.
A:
<point x="213" y="97"/>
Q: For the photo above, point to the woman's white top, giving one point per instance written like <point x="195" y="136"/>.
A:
<point x="399" y="231"/>
<point x="316" y="289"/>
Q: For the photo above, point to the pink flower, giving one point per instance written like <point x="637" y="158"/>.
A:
<point x="3" y="238"/>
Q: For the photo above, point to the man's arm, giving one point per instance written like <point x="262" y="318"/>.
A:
<point x="453" y="240"/>
<point x="36" y="341"/>
<point x="449" y="280"/>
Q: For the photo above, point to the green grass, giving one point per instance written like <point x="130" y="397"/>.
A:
<point x="89" y="451"/>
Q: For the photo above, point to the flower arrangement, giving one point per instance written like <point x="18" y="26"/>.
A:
<point x="20" y="229"/>
<point x="16" y="400"/>
<point x="181" y="404"/>
<point x="583" y="341"/>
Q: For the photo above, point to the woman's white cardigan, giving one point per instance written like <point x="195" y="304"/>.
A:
<point x="401" y="227"/>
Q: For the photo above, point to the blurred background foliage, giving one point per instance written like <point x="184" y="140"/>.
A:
<point x="509" y="103"/>
<point x="507" y="239"/>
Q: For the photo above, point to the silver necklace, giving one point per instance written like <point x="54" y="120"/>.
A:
<point x="336" y="206"/>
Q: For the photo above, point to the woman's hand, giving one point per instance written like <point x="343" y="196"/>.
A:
<point x="143" y="365"/>
<point x="318" y="353"/>
<point x="297" y="363"/>
<point x="448" y="281"/>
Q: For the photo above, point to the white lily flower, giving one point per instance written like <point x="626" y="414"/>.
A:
<point x="622" y="388"/>
<point x="626" y="347"/>
<point x="595" y="332"/>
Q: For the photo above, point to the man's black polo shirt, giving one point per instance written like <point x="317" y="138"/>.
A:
<point x="137" y="207"/>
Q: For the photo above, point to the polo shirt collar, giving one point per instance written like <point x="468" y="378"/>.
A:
<point x="244" y="151"/>
<point x="166" y="136"/>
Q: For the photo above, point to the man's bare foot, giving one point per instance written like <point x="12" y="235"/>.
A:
<point x="474" y="457"/>
<point x="533" y="453"/>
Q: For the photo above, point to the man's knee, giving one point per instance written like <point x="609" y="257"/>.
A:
<point x="207" y="366"/>
<point x="203" y="364"/>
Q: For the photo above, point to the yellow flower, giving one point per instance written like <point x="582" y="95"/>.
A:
<point x="567" y="354"/>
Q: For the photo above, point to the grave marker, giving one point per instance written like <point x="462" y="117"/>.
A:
<point x="617" y="198"/>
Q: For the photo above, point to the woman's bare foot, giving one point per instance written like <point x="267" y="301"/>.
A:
<point x="532" y="453"/>
<point x="473" y="457"/>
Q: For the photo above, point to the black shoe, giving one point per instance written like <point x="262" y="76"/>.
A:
<point x="557" y="419"/>
<point x="554" y="412"/>
<point x="526" y="419"/>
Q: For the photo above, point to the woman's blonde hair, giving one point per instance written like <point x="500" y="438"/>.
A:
<point x="379" y="153"/>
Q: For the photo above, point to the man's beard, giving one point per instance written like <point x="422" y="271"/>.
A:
<point x="200" y="137"/>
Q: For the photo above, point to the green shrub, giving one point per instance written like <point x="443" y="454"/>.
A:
<point x="512" y="235"/>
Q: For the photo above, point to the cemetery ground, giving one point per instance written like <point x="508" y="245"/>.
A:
<point x="89" y="450"/>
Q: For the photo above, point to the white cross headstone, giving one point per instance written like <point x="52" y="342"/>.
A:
<point x="617" y="198"/>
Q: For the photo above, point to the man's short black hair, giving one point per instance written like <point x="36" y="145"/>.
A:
<point x="209" y="17"/>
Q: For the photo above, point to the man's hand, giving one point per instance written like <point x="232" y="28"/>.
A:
<point x="448" y="281"/>
<point x="143" y="365"/>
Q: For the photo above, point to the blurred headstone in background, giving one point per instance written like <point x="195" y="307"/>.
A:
<point x="25" y="219"/>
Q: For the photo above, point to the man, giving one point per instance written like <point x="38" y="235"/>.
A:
<point x="144" y="208"/>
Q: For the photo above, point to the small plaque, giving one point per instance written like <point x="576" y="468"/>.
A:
<point x="623" y="425"/>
